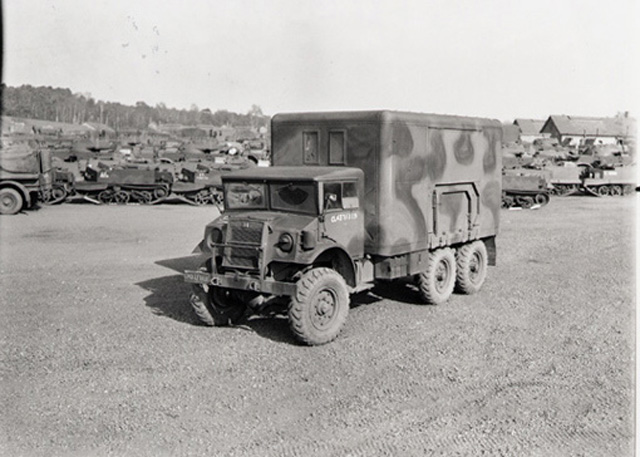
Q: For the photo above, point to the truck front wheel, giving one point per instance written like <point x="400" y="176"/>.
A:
<point x="10" y="201"/>
<point x="437" y="282"/>
<point x="215" y="305"/>
<point x="472" y="261"/>
<point x="319" y="308"/>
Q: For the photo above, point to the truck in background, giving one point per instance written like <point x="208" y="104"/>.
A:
<point x="353" y="198"/>
<point x="26" y="175"/>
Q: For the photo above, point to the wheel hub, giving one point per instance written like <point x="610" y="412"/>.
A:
<point x="474" y="267"/>
<point x="7" y="201"/>
<point x="442" y="275"/>
<point x="324" y="309"/>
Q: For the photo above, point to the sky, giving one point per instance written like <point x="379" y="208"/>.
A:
<point x="493" y="58"/>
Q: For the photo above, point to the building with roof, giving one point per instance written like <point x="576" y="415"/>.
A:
<point x="530" y="129"/>
<point x="576" y="130"/>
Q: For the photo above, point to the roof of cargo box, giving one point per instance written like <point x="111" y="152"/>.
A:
<point x="379" y="116"/>
<point x="315" y="173"/>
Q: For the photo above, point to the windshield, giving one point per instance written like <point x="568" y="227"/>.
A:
<point x="246" y="196"/>
<point x="297" y="197"/>
<point x="293" y="197"/>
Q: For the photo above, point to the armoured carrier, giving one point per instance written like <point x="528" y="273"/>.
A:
<point x="572" y="178"/>
<point x="525" y="188"/>
<point x="353" y="198"/>
<point x="144" y="182"/>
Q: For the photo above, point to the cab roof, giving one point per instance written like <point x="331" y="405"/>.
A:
<point x="295" y="173"/>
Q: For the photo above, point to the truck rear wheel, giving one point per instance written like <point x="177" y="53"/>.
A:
<point x="319" y="308"/>
<point x="437" y="282"/>
<point x="471" y="271"/>
<point x="10" y="201"/>
<point x="216" y="306"/>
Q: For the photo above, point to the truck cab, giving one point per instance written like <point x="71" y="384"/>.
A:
<point x="278" y="225"/>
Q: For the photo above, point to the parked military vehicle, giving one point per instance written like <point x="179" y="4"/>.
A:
<point x="199" y="184"/>
<point x="524" y="188"/>
<point x="138" y="181"/>
<point x="353" y="198"/>
<point x="565" y="177"/>
<point x="122" y="185"/>
<point x="609" y="180"/>
<point x="257" y="151"/>
<point x="570" y="178"/>
<point x="25" y="175"/>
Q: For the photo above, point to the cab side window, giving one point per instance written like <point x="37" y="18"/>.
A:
<point x="332" y="196"/>
<point x="349" y="195"/>
<point x="339" y="196"/>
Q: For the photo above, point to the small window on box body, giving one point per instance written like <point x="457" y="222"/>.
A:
<point x="337" y="146"/>
<point x="310" y="147"/>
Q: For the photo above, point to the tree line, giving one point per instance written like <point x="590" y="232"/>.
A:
<point x="61" y="105"/>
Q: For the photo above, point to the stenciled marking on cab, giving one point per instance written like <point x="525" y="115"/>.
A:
<point x="343" y="217"/>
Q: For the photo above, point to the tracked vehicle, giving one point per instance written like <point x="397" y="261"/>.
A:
<point x="122" y="185"/>
<point x="353" y="198"/>
<point x="525" y="188"/>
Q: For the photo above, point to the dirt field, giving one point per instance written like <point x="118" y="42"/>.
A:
<point x="101" y="354"/>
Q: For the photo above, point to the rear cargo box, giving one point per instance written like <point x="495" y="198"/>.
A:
<point x="430" y="180"/>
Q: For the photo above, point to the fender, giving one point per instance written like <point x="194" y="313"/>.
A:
<point x="338" y="259"/>
<point x="20" y="188"/>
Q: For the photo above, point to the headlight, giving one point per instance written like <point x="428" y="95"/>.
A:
<point x="215" y="237"/>
<point x="285" y="242"/>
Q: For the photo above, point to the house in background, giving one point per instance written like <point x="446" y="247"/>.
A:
<point x="579" y="131"/>
<point x="530" y="129"/>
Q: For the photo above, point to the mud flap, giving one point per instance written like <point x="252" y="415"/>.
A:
<point x="492" y="252"/>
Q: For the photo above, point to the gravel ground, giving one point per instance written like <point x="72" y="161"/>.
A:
<point x="101" y="354"/>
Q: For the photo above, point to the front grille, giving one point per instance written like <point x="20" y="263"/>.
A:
<point x="244" y="239"/>
<point x="249" y="232"/>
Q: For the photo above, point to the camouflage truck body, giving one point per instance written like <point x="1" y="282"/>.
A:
<point x="382" y="195"/>
<point x="430" y="180"/>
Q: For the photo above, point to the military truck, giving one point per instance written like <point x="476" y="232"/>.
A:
<point x="353" y="198"/>
<point x="26" y="175"/>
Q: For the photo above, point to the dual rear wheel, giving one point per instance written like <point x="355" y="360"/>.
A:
<point x="463" y="270"/>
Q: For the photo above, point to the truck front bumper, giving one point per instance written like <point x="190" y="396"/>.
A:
<point x="236" y="281"/>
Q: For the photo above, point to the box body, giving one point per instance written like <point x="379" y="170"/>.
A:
<point x="430" y="180"/>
